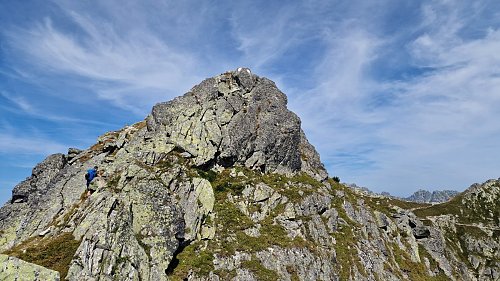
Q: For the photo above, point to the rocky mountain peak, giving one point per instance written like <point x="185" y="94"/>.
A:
<point x="237" y="118"/>
<point x="222" y="184"/>
<point x="436" y="196"/>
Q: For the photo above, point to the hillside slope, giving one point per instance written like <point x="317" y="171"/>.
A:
<point x="222" y="184"/>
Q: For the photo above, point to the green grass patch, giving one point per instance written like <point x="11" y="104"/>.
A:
<point x="452" y="207"/>
<point x="195" y="259"/>
<point x="468" y="210"/>
<point x="259" y="271"/>
<point x="306" y="179"/>
<point x="415" y="271"/>
<point x="139" y="125"/>
<point x="346" y="253"/>
<point x="387" y="205"/>
<point x="294" y="188"/>
<point x="147" y="248"/>
<point x="112" y="184"/>
<point x="294" y="275"/>
<point x="209" y="175"/>
<point x="408" y="205"/>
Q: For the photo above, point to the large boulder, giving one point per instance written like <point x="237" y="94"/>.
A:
<point x="40" y="179"/>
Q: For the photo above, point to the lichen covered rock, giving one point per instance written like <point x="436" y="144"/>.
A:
<point x="222" y="184"/>
<point x="237" y="118"/>
<point x="12" y="268"/>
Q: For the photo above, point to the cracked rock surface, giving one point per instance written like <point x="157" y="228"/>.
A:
<point x="237" y="118"/>
<point x="222" y="184"/>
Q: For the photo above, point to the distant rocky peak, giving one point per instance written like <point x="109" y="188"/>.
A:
<point x="236" y="118"/>
<point x="437" y="196"/>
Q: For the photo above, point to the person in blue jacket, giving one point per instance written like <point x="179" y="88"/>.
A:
<point x="89" y="176"/>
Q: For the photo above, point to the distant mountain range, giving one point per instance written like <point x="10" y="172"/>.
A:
<point x="420" y="196"/>
<point x="437" y="196"/>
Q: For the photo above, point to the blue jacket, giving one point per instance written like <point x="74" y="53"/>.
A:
<point x="92" y="174"/>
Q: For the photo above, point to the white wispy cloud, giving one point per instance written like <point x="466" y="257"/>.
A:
<point x="129" y="66"/>
<point x="426" y="128"/>
<point x="20" y="102"/>
<point x="24" y="107"/>
<point x="433" y="125"/>
<point x="263" y="38"/>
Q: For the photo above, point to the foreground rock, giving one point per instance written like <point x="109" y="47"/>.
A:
<point x="12" y="268"/>
<point x="222" y="184"/>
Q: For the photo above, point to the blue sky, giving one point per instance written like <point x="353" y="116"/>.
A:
<point x="395" y="95"/>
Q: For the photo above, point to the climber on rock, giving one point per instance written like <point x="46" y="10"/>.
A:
<point x="89" y="176"/>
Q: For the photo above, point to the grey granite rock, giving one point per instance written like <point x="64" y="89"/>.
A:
<point x="237" y="118"/>
<point x="222" y="184"/>
<point x="40" y="179"/>
<point x="12" y="268"/>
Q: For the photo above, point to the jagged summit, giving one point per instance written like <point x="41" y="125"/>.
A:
<point x="237" y="118"/>
<point x="436" y="196"/>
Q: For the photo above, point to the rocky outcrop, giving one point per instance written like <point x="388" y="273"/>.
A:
<point x="222" y="184"/>
<point x="237" y="118"/>
<point x="40" y="179"/>
<point x="12" y="268"/>
<point x="466" y="227"/>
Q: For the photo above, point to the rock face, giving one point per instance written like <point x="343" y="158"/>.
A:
<point x="437" y="196"/>
<point x="222" y="184"/>
<point x="12" y="268"/>
<point x="237" y="118"/>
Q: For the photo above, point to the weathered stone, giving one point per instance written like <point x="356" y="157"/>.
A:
<point x="154" y="200"/>
<point x="12" y="268"/>
<point x="237" y="118"/>
<point x="307" y="265"/>
<point x="262" y="192"/>
<point x="421" y="232"/>
<point x="289" y="212"/>
<point x="205" y="195"/>
<point x="313" y="204"/>
<point x="40" y="178"/>
<point x="332" y="215"/>
<point x="73" y="152"/>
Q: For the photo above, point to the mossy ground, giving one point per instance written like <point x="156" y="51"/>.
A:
<point x="346" y="252"/>
<point x="54" y="252"/>
<point x="231" y="224"/>
<point x="193" y="258"/>
<point x="259" y="271"/>
<point x="348" y="235"/>
<point x="416" y="271"/>
<point x="452" y="207"/>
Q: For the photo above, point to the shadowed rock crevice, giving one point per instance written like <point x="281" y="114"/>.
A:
<point x="175" y="261"/>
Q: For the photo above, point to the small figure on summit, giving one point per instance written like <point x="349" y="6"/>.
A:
<point x="89" y="176"/>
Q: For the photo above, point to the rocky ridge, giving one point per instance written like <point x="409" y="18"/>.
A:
<point x="222" y="184"/>
<point x="436" y="196"/>
<point x="420" y="196"/>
